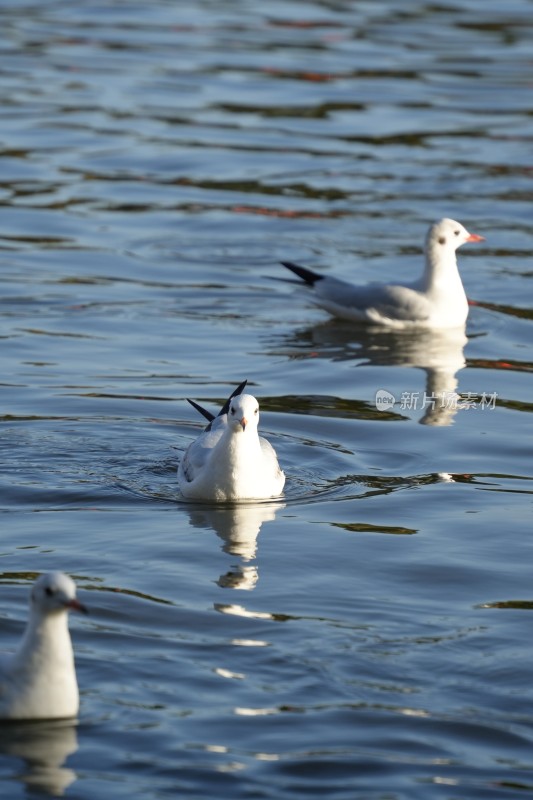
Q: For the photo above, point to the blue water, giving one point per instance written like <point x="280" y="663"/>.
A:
<point x="369" y="635"/>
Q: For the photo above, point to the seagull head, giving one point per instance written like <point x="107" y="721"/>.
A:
<point x="447" y="234"/>
<point x="243" y="413"/>
<point x="55" y="592"/>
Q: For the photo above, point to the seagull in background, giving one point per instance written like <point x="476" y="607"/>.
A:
<point x="436" y="300"/>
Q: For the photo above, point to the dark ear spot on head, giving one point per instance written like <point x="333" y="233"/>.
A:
<point x="442" y="240"/>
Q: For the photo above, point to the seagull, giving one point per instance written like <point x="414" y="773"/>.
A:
<point x="436" y="300"/>
<point x="230" y="461"/>
<point x="39" y="680"/>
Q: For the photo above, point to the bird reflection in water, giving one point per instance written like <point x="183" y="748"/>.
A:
<point x="238" y="526"/>
<point x="43" y="748"/>
<point x="440" y="353"/>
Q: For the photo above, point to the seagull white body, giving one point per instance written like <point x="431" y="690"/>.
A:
<point x="230" y="461"/>
<point x="39" y="680"/>
<point x="436" y="300"/>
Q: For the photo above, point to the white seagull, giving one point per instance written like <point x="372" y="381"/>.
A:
<point x="436" y="300"/>
<point x="39" y="680"/>
<point x="230" y="461"/>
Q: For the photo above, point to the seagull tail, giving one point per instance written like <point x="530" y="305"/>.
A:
<point x="305" y="274"/>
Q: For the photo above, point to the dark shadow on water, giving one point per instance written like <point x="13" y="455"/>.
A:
<point x="520" y="605"/>
<point x="365" y="527"/>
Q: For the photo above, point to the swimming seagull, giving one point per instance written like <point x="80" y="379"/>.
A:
<point x="230" y="461"/>
<point x="436" y="300"/>
<point x="39" y="680"/>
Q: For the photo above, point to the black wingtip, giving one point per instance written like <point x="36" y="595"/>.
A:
<point x="225" y="408"/>
<point x="238" y="390"/>
<point x="305" y="274"/>
<point x="203" y="411"/>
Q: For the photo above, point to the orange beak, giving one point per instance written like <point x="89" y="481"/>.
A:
<point x="243" y="423"/>
<point x="475" y="238"/>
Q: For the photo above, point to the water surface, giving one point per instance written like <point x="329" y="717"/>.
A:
<point x="368" y="635"/>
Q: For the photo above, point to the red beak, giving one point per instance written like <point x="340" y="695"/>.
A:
<point x="475" y="238"/>
<point x="75" y="605"/>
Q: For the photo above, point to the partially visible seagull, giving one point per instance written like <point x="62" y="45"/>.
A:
<point x="39" y="680"/>
<point x="230" y="461"/>
<point x="436" y="300"/>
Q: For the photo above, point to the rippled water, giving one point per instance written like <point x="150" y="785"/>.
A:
<point x="369" y="635"/>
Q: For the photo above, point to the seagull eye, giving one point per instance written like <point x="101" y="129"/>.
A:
<point x="232" y="410"/>
<point x="457" y="233"/>
<point x="256" y="410"/>
<point x="48" y="592"/>
<point x="442" y="240"/>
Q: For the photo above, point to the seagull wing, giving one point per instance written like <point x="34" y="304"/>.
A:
<point x="375" y="301"/>
<point x="198" y="453"/>
<point x="270" y="462"/>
